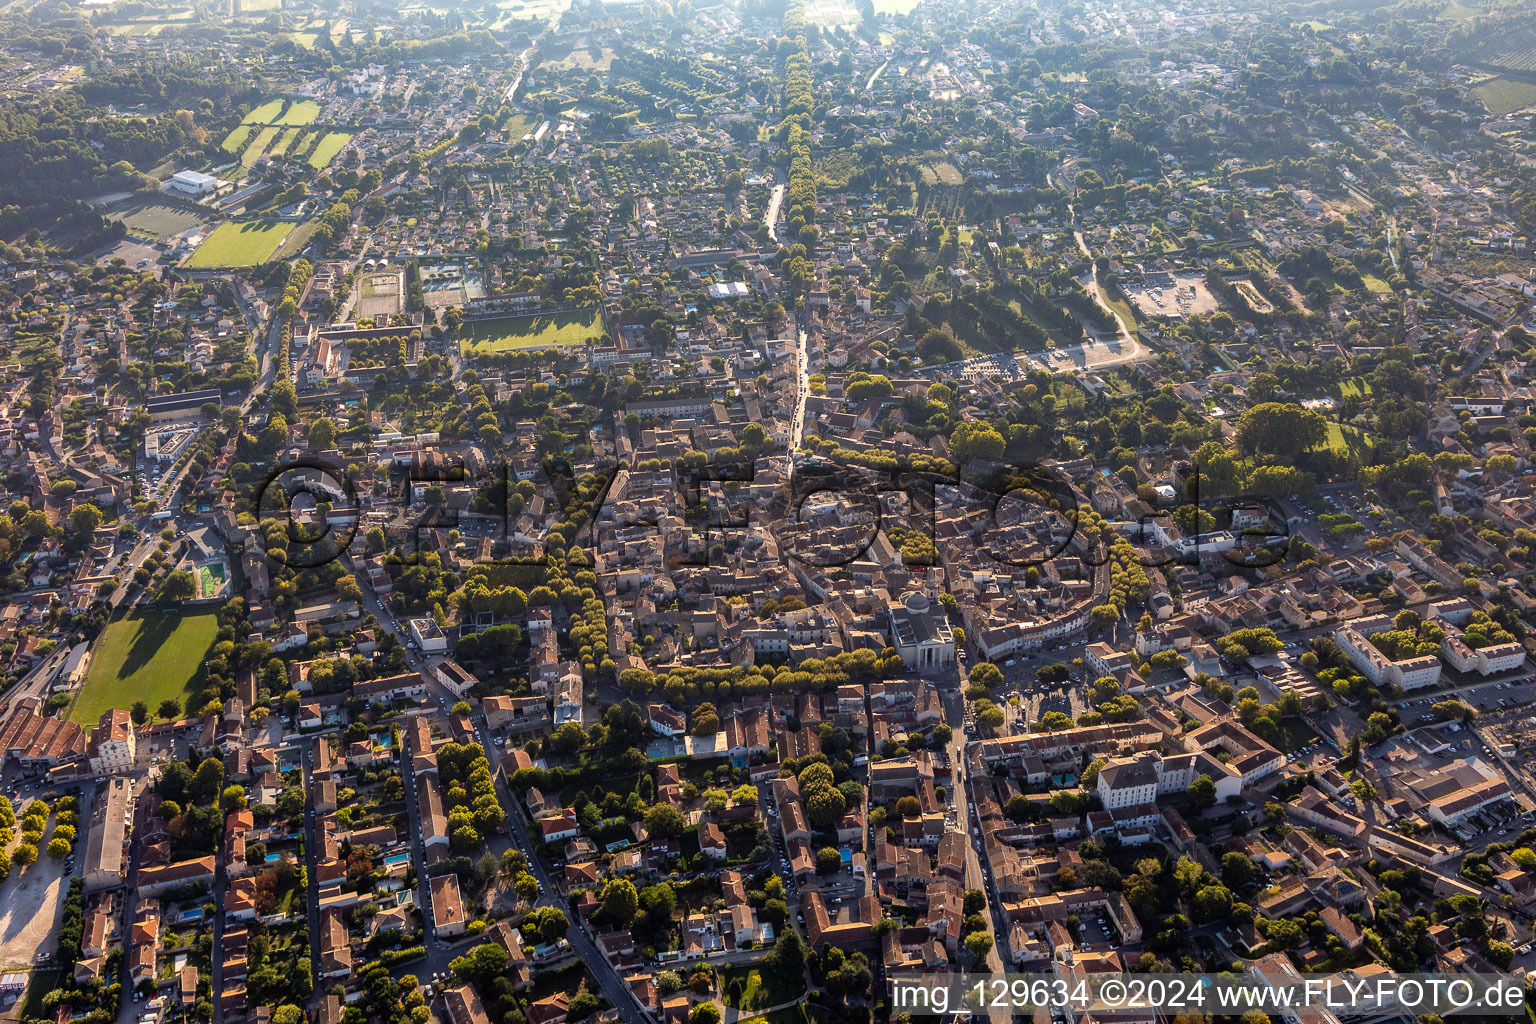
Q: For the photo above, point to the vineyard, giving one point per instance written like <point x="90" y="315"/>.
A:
<point x="1505" y="95"/>
<point x="1513" y="47"/>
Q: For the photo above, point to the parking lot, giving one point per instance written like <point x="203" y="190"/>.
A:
<point x="1490" y="698"/>
<point x="1095" y="932"/>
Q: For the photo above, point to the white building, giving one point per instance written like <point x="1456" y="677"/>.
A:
<point x="921" y="635"/>
<point x="192" y="183"/>
<point x="112" y="746"/>
<point x="428" y="637"/>
<point x="1410" y="673"/>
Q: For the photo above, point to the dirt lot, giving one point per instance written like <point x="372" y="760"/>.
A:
<point x="30" y="901"/>
<point x="379" y="295"/>
<point x="1188" y="296"/>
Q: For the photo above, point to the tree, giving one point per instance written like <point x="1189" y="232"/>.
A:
<point x="1280" y="428"/>
<point x="85" y="518"/>
<point x="620" y="901"/>
<point x="976" y="440"/>
<point x="322" y="435"/>
<point x="824" y="805"/>
<point x="169" y="709"/>
<point x="1236" y="869"/>
<point x="987" y="674"/>
<point x="828" y="860"/>
<point x="1203" y="792"/>
<point x="787" y="961"/>
<point x="483" y="962"/>
<point x="663" y="821"/>
<point x="705" y="1013"/>
<point x="583" y="1005"/>
<point x="178" y="586"/>
<point x="208" y="780"/>
<point x="978" y="944"/>
<point x="706" y="722"/>
<point x="1213" y="902"/>
<point x="139" y="713"/>
<point x="550" y="923"/>
<point x="58" y="848"/>
<point x="25" y="853"/>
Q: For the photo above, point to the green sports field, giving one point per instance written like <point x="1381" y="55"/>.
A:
<point x="240" y="244"/>
<point x="539" y="330"/>
<point x="146" y="656"/>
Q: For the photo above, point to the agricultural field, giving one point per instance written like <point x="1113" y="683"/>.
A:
<point x="288" y="113"/>
<point x="240" y="244"/>
<point x="941" y="173"/>
<point x="235" y="141"/>
<point x="1506" y="95"/>
<point x="1514" y="47"/>
<point x="831" y="12"/>
<point x="326" y="149"/>
<point x="258" y="145"/>
<point x="148" y="656"/>
<point x="152" y="219"/>
<point x="152" y="23"/>
<point x="511" y="11"/>
<point x="267" y="113"/>
<point x="301" y="113"/>
<point x="535" y="331"/>
<point x="274" y="141"/>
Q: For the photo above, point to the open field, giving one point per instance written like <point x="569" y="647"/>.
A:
<point x="240" y="244"/>
<point x="326" y="149"/>
<point x="525" y="10"/>
<point x="1346" y="439"/>
<point x="265" y="114"/>
<point x="1505" y="95"/>
<point x="284" y="141"/>
<point x="379" y="294"/>
<point x="154" y="219"/>
<point x="42" y="982"/>
<point x="146" y="656"/>
<point x="540" y="330"/>
<point x="942" y="173"/>
<point x="258" y="145"/>
<point x="302" y="112"/>
<point x="745" y="988"/>
<point x="235" y="141"/>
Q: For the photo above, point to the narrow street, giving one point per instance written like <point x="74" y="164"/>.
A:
<point x="613" y="988"/>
